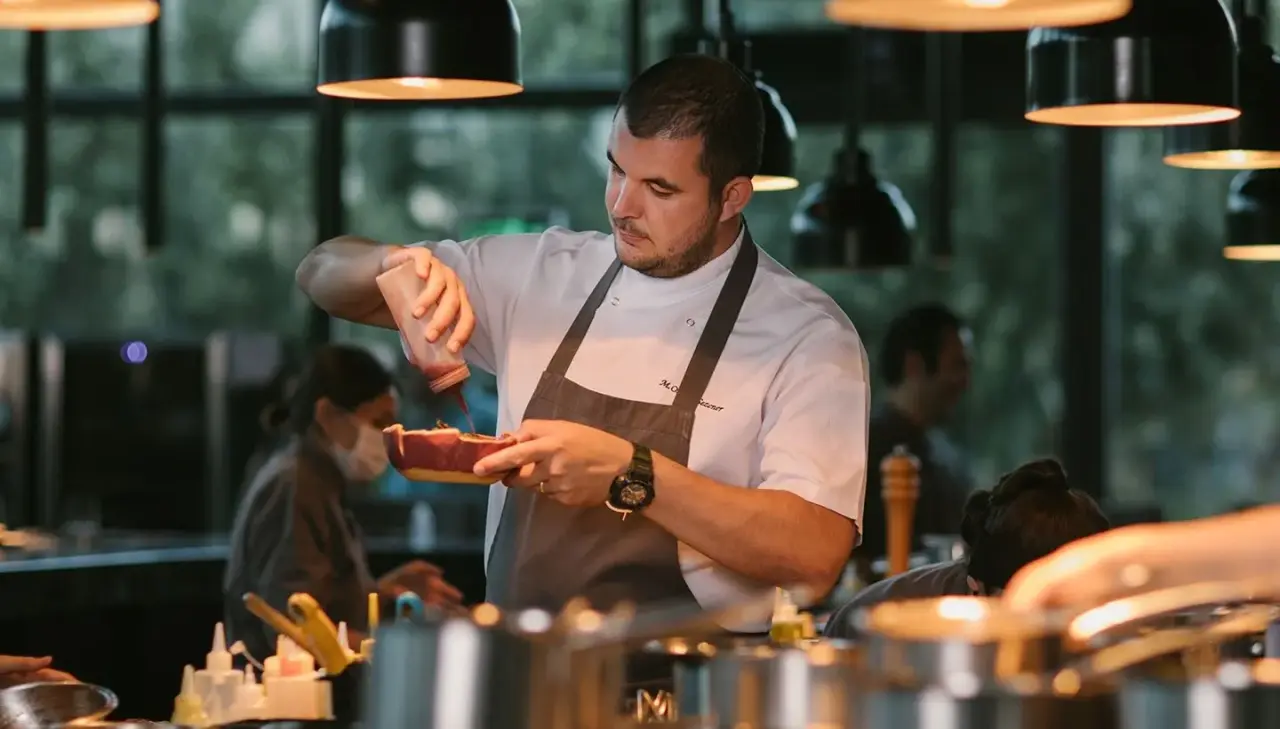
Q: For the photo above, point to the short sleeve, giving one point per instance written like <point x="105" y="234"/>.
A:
<point x="494" y="269"/>
<point x="813" y="438"/>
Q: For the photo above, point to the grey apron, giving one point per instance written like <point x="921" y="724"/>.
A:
<point x="545" y="553"/>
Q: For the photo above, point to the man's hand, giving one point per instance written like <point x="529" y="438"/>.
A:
<point x="424" y="579"/>
<point x="17" y="670"/>
<point x="1100" y="568"/>
<point x="443" y="290"/>
<point x="567" y="462"/>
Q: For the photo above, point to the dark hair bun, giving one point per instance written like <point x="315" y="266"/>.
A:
<point x="1045" y="474"/>
<point x="274" y="416"/>
<point x="976" y="510"/>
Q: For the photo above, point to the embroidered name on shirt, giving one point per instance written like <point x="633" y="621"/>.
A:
<point x="702" y="403"/>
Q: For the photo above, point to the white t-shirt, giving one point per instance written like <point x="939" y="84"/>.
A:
<point x="786" y="409"/>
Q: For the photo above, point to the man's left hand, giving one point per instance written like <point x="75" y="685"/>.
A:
<point x="567" y="462"/>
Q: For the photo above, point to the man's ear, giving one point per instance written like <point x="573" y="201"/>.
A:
<point x="975" y="587"/>
<point x="735" y="197"/>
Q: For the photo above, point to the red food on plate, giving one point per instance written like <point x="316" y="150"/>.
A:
<point x="444" y="454"/>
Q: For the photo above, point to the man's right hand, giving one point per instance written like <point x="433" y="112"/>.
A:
<point x="443" y="291"/>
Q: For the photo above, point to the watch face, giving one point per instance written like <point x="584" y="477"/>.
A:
<point x="632" y="494"/>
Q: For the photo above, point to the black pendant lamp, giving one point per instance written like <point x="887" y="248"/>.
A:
<point x="973" y="15"/>
<point x="1250" y="142"/>
<point x="1166" y="63"/>
<point x="419" y="49"/>
<point x="1253" y="217"/>
<point x="778" y="160"/>
<point x="852" y="221"/>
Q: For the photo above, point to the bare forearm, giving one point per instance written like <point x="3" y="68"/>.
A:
<point x="338" y="276"/>
<point x="771" y="536"/>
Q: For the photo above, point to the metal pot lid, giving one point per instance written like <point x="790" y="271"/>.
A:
<point x="970" y="619"/>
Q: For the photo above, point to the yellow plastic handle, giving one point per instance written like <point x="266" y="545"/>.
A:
<point x="320" y="631"/>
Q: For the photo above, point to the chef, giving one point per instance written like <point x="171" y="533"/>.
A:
<point x="692" y="417"/>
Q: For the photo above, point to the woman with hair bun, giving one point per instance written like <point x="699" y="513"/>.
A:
<point x="1030" y="513"/>
<point x="294" y="530"/>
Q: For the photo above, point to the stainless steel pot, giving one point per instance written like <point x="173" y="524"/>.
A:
<point x="969" y="662"/>
<point x="54" y="704"/>
<point x="526" y="670"/>
<point x="774" y="687"/>
<point x="1236" y="695"/>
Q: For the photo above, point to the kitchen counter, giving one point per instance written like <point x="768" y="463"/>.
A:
<point x="128" y="569"/>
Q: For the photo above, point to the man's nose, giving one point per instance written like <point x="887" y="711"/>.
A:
<point x="626" y="204"/>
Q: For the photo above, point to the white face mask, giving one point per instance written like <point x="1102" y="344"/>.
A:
<point x="367" y="458"/>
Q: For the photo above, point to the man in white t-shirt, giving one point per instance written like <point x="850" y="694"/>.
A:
<point x="669" y="372"/>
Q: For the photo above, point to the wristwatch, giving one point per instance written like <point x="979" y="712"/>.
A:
<point x="633" y="490"/>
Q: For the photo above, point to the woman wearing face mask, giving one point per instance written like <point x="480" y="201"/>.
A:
<point x="294" y="530"/>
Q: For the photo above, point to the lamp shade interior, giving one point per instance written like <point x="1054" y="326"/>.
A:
<point x="974" y="15"/>
<point x="76" y="14"/>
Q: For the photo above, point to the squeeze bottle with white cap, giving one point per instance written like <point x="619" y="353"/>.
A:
<point x="250" y="701"/>
<point x="217" y="682"/>
<point x="188" y="709"/>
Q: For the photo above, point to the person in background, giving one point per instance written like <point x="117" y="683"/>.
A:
<point x="1030" y="513"/>
<point x="17" y="670"/>
<point x="925" y="362"/>
<point x="294" y="530"/>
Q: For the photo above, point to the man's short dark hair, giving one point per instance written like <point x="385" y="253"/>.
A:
<point x="1030" y="514"/>
<point x="692" y="95"/>
<point x="923" y="330"/>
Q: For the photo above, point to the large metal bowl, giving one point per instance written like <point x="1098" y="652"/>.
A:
<point x="54" y="704"/>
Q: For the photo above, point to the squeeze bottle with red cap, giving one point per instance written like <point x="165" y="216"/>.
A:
<point x="443" y="369"/>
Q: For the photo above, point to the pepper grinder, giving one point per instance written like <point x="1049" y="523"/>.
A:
<point x="900" y="476"/>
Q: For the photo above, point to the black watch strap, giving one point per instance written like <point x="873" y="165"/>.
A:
<point x="641" y="464"/>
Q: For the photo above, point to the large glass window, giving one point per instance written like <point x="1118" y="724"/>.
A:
<point x="268" y="43"/>
<point x="15" y="251"/>
<point x="1197" y="411"/>
<point x="13" y="63"/>
<point x="97" y="59"/>
<point x="239" y="217"/>
<point x="86" y="272"/>
<point x="572" y="40"/>
<point x="998" y="278"/>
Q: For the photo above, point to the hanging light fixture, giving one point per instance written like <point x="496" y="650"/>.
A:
<point x="974" y="15"/>
<point x="419" y="49"/>
<point x="1166" y="63"/>
<point x="76" y="14"/>
<point x="1253" y="217"/>
<point x="778" y="159"/>
<point x="1250" y="142"/>
<point x="852" y="221"/>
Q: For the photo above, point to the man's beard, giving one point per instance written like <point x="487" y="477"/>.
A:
<point x="694" y="255"/>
